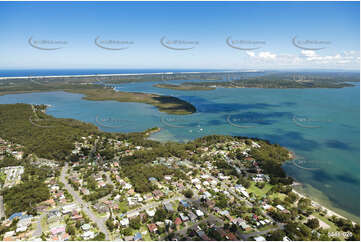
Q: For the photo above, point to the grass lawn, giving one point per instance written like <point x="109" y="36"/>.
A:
<point x="147" y="236"/>
<point x="281" y="196"/>
<point x="123" y="206"/>
<point x="259" y="192"/>
<point x="44" y="224"/>
<point x="270" y="226"/>
<point x="332" y="228"/>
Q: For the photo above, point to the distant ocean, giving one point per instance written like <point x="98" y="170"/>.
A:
<point x="60" y="72"/>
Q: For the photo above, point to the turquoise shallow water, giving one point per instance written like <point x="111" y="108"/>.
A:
<point x="321" y="126"/>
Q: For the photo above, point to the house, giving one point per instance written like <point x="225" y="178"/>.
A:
<point x="101" y="184"/>
<point x="244" y="226"/>
<point x="128" y="238"/>
<point x="53" y="216"/>
<point x="259" y="238"/>
<point x="150" y="212"/>
<point x="224" y="213"/>
<point x="267" y="207"/>
<point x="101" y="208"/>
<point x="184" y="203"/>
<point x="147" y="197"/>
<point x="157" y="194"/>
<point x="207" y="194"/>
<point x="85" y="191"/>
<point x="199" y="213"/>
<point x="282" y="209"/>
<point x="88" y="235"/>
<point x="152" y="179"/>
<point x="168" y="206"/>
<point x="192" y="216"/>
<point x="244" y="193"/>
<point x="183" y="217"/>
<point x="168" y="222"/>
<point x="50" y="203"/>
<point x="76" y="215"/>
<point x="210" y="203"/>
<point x="69" y="208"/>
<point x="202" y="235"/>
<point x="152" y="228"/>
<point x="286" y="239"/>
<point x="177" y="221"/>
<point x="58" y="229"/>
<point x="86" y="227"/>
<point x="132" y="214"/>
<point x="124" y="222"/>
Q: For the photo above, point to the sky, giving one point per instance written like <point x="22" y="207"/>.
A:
<point x="180" y="35"/>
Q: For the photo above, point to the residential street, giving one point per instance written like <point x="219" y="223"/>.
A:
<point x="2" y="212"/>
<point x="155" y="204"/>
<point x="246" y="237"/>
<point x="39" y="230"/>
<point x="100" y="222"/>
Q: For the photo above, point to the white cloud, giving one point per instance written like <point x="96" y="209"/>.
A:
<point x="267" y="55"/>
<point x="307" y="58"/>
<point x="250" y="53"/>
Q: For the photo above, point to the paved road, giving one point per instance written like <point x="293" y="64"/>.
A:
<point x="100" y="222"/>
<point x="39" y="230"/>
<point x="247" y="236"/>
<point x="2" y="212"/>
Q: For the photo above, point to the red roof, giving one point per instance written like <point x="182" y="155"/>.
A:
<point x="178" y="221"/>
<point x="152" y="227"/>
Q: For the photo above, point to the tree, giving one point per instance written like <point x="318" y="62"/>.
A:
<point x="135" y="223"/>
<point x="188" y="193"/>
<point x="303" y="204"/>
<point x="313" y="223"/>
<point x="100" y="236"/>
<point x="277" y="235"/>
<point x="127" y="231"/>
<point x="70" y="229"/>
<point x="110" y="224"/>
<point x="160" y="215"/>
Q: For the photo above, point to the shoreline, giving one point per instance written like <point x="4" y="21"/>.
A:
<point x="329" y="212"/>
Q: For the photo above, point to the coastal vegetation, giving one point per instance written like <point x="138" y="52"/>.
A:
<point x="283" y="80"/>
<point x="32" y="190"/>
<point x="167" y="104"/>
<point x="41" y="134"/>
<point x="264" y="82"/>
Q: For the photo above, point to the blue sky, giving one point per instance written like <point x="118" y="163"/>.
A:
<point x="205" y="26"/>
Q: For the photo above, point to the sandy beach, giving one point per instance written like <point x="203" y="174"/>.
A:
<point x="316" y="204"/>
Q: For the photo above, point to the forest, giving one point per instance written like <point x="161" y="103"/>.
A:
<point x="31" y="191"/>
